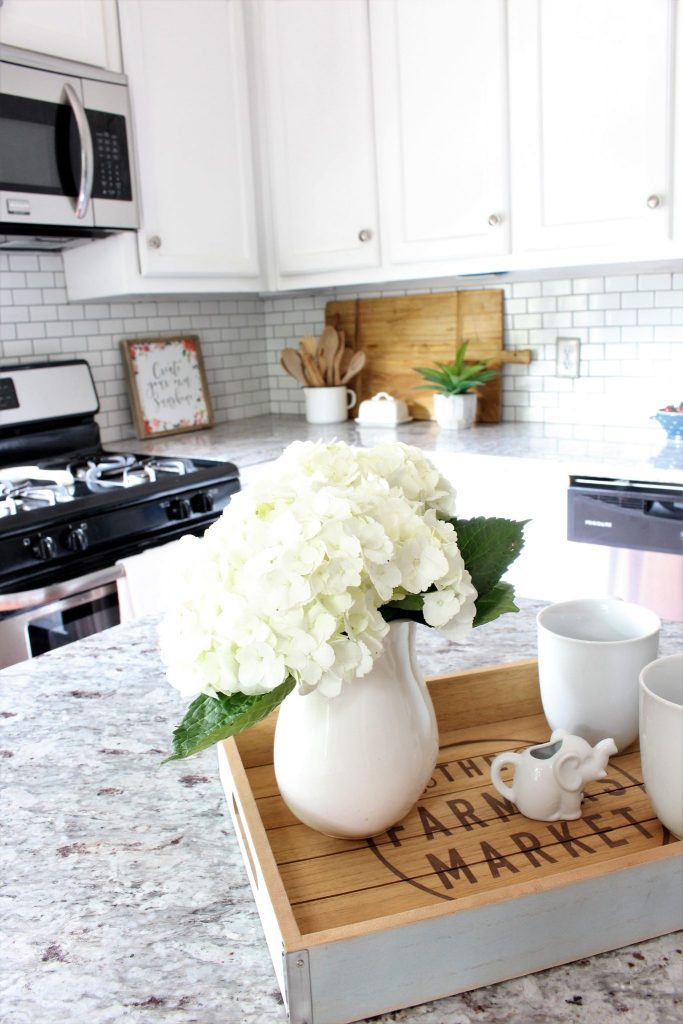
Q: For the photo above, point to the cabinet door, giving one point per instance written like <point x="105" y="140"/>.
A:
<point x="591" y="122"/>
<point x="81" y="30"/>
<point x="317" y="126"/>
<point x="188" y="91"/>
<point x="441" y="94"/>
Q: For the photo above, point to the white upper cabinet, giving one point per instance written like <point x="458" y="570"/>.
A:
<point x="317" y="134"/>
<point x="186" y="68"/>
<point x="592" y="127"/>
<point x="440" y="74"/>
<point x="187" y="74"/>
<point x="80" y="30"/>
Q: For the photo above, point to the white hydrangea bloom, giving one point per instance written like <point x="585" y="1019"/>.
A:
<point x="289" y="581"/>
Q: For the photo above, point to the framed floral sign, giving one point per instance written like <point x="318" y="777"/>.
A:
<point x="167" y="383"/>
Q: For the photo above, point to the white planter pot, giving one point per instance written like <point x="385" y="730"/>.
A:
<point x="455" y="412"/>
<point x="352" y="766"/>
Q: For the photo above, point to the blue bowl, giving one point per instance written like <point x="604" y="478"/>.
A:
<point x="672" y="422"/>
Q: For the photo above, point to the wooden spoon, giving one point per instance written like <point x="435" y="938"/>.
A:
<point x="336" y="366"/>
<point x="314" y="378"/>
<point x="290" y="361"/>
<point x="327" y="351"/>
<point x="347" y="355"/>
<point x="310" y="345"/>
<point x="356" y="364"/>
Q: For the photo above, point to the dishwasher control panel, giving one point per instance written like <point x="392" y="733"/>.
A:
<point x="626" y="514"/>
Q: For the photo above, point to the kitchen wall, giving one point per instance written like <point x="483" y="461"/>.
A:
<point x="37" y="322"/>
<point x="630" y="327"/>
<point x="629" y="323"/>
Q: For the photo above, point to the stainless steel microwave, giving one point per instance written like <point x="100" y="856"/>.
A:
<point x="66" y="159"/>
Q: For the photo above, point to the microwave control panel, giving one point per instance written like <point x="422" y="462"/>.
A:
<point x="112" y="170"/>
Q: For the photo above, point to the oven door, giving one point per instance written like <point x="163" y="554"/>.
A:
<point x="42" y="620"/>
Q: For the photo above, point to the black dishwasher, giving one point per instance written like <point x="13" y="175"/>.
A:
<point x="642" y="522"/>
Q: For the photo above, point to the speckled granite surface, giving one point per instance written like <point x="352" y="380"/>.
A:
<point x="124" y="896"/>
<point x="262" y="438"/>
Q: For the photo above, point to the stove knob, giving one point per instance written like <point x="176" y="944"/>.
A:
<point x="44" y="548"/>
<point x="180" y="508"/>
<point x="202" y="502"/>
<point x="77" y="539"/>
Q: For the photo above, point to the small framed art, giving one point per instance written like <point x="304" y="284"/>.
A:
<point x="167" y="384"/>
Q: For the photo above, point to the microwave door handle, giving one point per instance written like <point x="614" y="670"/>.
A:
<point x="87" y="152"/>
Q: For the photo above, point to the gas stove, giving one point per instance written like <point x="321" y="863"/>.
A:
<point x="81" y="512"/>
<point x="70" y="509"/>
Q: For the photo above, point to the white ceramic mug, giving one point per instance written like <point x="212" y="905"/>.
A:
<point x="590" y="653"/>
<point x="328" y="405"/>
<point x="661" y="739"/>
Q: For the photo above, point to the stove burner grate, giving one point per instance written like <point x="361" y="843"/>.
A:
<point x="122" y="471"/>
<point x="29" y="494"/>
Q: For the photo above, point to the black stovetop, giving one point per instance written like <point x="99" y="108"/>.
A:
<point x="113" y="505"/>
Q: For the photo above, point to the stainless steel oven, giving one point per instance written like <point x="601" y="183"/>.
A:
<point x="70" y="510"/>
<point x="50" y="617"/>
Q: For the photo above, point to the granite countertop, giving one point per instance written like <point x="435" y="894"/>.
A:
<point x="125" y="897"/>
<point x="262" y="438"/>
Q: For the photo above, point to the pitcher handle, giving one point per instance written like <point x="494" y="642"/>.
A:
<point x="509" y="757"/>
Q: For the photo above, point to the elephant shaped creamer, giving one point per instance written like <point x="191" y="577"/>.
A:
<point x="549" y="778"/>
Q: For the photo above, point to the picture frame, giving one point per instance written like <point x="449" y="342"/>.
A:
<point x="167" y="385"/>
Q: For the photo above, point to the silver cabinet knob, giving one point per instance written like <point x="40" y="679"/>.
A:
<point x="364" y="235"/>
<point x="494" y="220"/>
<point x="154" y="242"/>
<point x="654" y="201"/>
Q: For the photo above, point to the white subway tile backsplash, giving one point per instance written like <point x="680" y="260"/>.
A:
<point x="526" y="289"/>
<point x="630" y="327"/>
<point x="622" y="283"/>
<point x="572" y="303"/>
<point x="589" y="318"/>
<point x="563" y="287"/>
<point x="608" y="300"/>
<point x="620" y="317"/>
<point x="654" y="316"/>
<point x="588" y="285"/>
<point x="672" y="334"/>
<point x="557" y="319"/>
<point x="548" y="304"/>
<point x="637" y="300"/>
<point x="654" y="282"/>
<point x="14" y="314"/>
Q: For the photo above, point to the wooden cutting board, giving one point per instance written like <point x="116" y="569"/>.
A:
<point x="398" y="333"/>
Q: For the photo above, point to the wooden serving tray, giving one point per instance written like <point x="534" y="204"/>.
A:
<point x="465" y="891"/>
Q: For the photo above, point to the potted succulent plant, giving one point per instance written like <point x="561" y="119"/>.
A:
<point x="455" y="404"/>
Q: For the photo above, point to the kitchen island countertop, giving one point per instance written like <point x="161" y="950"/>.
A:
<point x="643" y="455"/>
<point x="125" y="897"/>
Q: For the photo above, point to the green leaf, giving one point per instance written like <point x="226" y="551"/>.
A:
<point x="438" y="376"/>
<point x="210" y="719"/>
<point x="497" y="601"/>
<point x="488" y="546"/>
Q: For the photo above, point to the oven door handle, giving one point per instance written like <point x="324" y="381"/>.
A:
<point x="57" y="591"/>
